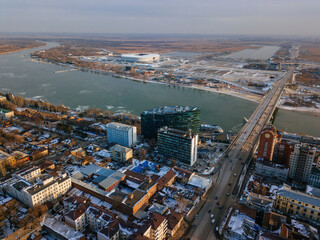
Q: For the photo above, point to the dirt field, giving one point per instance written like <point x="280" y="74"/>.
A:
<point x="163" y="45"/>
<point x="13" y="45"/>
<point x="310" y="52"/>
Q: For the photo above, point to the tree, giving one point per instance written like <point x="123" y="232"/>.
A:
<point x="38" y="210"/>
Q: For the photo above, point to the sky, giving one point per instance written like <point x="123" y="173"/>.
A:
<point x="256" y="17"/>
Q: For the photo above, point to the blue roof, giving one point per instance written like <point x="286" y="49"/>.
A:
<point x="137" y="169"/>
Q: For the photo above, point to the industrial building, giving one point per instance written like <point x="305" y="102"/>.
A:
<point x="121" y="134"/>
<point x="177" y="144"/>
<point x="177" y="117"/>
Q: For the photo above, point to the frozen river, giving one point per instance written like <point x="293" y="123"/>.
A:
<point x="79" y="90"/>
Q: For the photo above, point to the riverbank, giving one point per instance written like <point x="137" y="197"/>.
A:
<point x="22" y="49"/>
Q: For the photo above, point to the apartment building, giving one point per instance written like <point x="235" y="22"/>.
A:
<point x="301" y="160"/>
<point x="33" y="188"/>
<point x="120" y="153"/>
<point x="297" y="203"/>
<point x="121" y="134"/>
<point x="157" y="227"/>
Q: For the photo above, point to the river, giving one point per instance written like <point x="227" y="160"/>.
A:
<point x="78" y="90"/>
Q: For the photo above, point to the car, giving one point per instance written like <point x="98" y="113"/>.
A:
<point x="213" y="221"/>
<point x="209" y="211"/>
<point x="220" y="206"/>
<point x="228" y="194"/>
<point x="235" y="174"/>
<point x="196" y="216"/>
<point x="212" y="216"/>
<point x="216" y="198"/>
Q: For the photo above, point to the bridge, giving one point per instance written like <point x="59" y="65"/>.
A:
<point x="233" y="165"/>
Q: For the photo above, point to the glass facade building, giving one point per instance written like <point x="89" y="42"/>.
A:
<point x="178" y="117"/>
<point x="177" y="144"/>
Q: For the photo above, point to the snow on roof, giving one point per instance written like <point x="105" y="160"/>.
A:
<point x="102" y="154"/>
<point x="61" y="228"/>
<point x="200" y="182"/>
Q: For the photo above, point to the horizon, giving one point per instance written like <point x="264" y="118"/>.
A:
<point x="284" y="18"/>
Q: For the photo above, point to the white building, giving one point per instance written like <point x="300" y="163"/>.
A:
<point x="33" y="188"/>
<point x="140" y="57"/>
<point x="121" y="134"/>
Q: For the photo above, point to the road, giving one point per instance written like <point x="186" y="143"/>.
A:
<point x="233" y="165"/>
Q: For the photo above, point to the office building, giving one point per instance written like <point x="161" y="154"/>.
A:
<point x="32" y="188"/>
<point x="178" y="117"/>
<point x="121" y="134"/>
<point x="177" y="144"/>
<point x="301" y="160"/>
<point x="297" y="203"/>
<point x="120" y="153"/>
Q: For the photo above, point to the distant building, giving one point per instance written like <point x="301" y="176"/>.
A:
<point x="179" y="145"/>
<point x="32" y="188"/>
<point x="293" y="202"/>
<point x="140" y="57"/>
<point x="121" y="134"/>
<point x="268" y="139"/>
<point x="178" y="117"/>
<point x="301" y="161"/>
<point x="120" y="153"/>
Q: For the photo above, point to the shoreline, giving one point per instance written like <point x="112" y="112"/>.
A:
<point x="19" y="50"/>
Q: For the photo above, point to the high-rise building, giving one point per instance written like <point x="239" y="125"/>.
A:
<point x="282" y="152"/>
<point x="301" y="160"/>
<point x="121" y="134"/>
<point x="177" y="144"/>
<point x="178" y="117"/>
<point x="268" y="139"/>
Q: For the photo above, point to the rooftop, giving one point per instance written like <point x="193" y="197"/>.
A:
<point x="176" y="132"/>
<point x="137" y="195"/>
<point x="119" y="148"/>
<point x="114" y="178"/>
<point x="171" y="110"/>
<point x="120" y="126"/>
<point x="61" y="228"/>
<point x="299" y="196"/>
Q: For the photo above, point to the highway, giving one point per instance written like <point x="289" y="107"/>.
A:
<point x="234" y="164"/>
